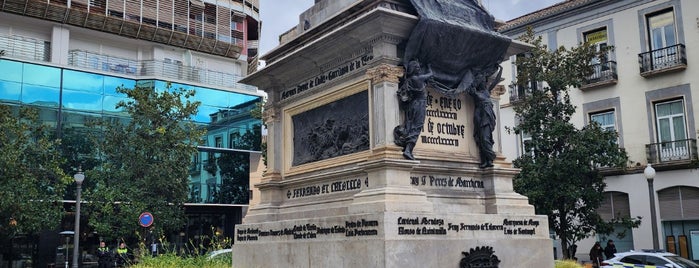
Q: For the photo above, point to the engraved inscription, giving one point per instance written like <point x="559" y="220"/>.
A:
<point x="350" y="228"/>
<point x="438" y="226"/>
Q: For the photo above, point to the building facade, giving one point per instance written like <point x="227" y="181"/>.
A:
<point x="66" y="58"/>
<point x="646" y="90"/>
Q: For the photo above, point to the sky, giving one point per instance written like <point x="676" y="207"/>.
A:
<point x="278" y="16"/>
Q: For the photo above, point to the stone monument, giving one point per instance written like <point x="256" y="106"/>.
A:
<point x="382" y="145"/>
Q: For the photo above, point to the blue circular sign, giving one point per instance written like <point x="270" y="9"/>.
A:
<point x="146" y="219"/>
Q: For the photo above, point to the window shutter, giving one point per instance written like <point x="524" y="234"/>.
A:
<point x="670" y="205"/>
<point x="690" y="202"/>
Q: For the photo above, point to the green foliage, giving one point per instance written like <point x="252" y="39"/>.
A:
<point x="194" y="255"/>
<point x="173" y="260"/>
<point x="560" y="169"/>
<point x="145" y="163"/>
<point x="32" y="183"/>
<point x="567" y="264"/>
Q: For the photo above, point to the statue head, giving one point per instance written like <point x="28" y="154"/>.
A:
<point x="413" y="67"/>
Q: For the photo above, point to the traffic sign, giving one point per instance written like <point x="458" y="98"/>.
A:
<point x="146" y="219"/>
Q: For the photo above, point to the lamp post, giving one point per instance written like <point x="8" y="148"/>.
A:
<point x="79" y="178"/>
<point x="649" y="172"/>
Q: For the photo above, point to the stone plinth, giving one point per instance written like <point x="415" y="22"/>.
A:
<point x="338" y="192"/>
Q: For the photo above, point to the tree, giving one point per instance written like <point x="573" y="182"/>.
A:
<point x="560" y="168"/>
<point x="234" y="168"/>
<point x="145" y="163"/>
<point x="32" y="183"/>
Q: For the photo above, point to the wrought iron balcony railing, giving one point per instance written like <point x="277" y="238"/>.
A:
<point x="672" y="58"/>
<point x="602" y="74"/>
<point x="672" y="151"/>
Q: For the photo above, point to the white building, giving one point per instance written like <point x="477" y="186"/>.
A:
<point x="66" y="57"/>
<point x="646" y="90"/>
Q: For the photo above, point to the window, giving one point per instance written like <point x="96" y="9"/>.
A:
<point x="652" y="260"/>
<point x="218" y="142"/>
<point x="210" y="13"/>
<point x="524" y="84"/>
<point x="661" y="29"/>
<point x="614" y="205"/>
<point x="525" y="138"/>
<point x="605" y="120"/>
<point x="633" y="259"/>
<point x="598" y="39"/>
<point x="671" y="127"/>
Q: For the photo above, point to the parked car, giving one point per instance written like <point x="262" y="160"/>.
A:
<point x="220" y="252"/>
<point x="649" y="258"/>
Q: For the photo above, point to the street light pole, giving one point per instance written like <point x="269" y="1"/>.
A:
<point x="649" y="172"/>
<point x="79" y="177"/>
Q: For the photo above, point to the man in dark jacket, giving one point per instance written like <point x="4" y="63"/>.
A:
<point x="104" y="255"/>
<point x="596" y="255"/>
<point x="610" y="249"/>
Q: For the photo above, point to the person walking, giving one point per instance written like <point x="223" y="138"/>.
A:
<point x="596" y="255"/>
<point x="610" y="249"/>
<point x="104" y="255"/>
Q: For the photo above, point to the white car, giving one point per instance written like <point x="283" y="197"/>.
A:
<point x="648" y="259"/>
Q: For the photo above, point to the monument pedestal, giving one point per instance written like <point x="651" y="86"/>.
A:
<point x="338" y="191"/>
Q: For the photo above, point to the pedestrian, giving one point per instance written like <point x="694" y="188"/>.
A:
<point x="104" y="255"/>
<point x="596" y="255"/>
<point x="122" y="255"/>
<point x="610" y="249"/>
<point x="573" y="249"/>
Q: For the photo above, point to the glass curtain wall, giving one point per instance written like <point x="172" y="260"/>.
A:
<point x="69" y="100"/>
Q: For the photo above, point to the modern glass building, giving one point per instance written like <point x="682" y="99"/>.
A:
<point x="66" y="58"/>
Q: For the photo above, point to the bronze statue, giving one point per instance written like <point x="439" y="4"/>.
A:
<point x="483" y="114"/>
<point x="458" y="39"/>
<point x="412" y="95"/>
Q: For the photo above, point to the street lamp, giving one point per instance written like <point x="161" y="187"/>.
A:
<point x="79" y="178"/>
<point x="650" y="175"/>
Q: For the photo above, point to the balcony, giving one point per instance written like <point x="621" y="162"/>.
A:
<point x="668" y="59"/>
<point x="672" y="153"/>
<point x="603" y="74"/>
<point x="155" y="69"/>
<point x="24" y="48"/>
<point x="131" y="19"/>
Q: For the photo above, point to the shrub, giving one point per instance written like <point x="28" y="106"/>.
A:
<point x="568" y="264"/>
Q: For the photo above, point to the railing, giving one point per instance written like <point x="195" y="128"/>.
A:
<point x="602" y="72"/>
<point x="253" y="44"/>
<point x="20" y="47"/>
<point x="671" y="151"/>
<point x="156" y="69"/>
<point x="518" y="93"/>
<point x="95" y="61"/>
<point x="664" y="58"/>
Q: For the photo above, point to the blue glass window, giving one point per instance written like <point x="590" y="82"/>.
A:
<point x="212" y="97"/>
<point x="112" y="83"/>
<point x="82" y="81"/>
<point x="11" y="71"/>
<point x="40" y="95"/>
<point x="41" y="75"/>
<point x="110" y="102"/>
<point x="10" y="91"/>
<point x="82" y="101"/>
